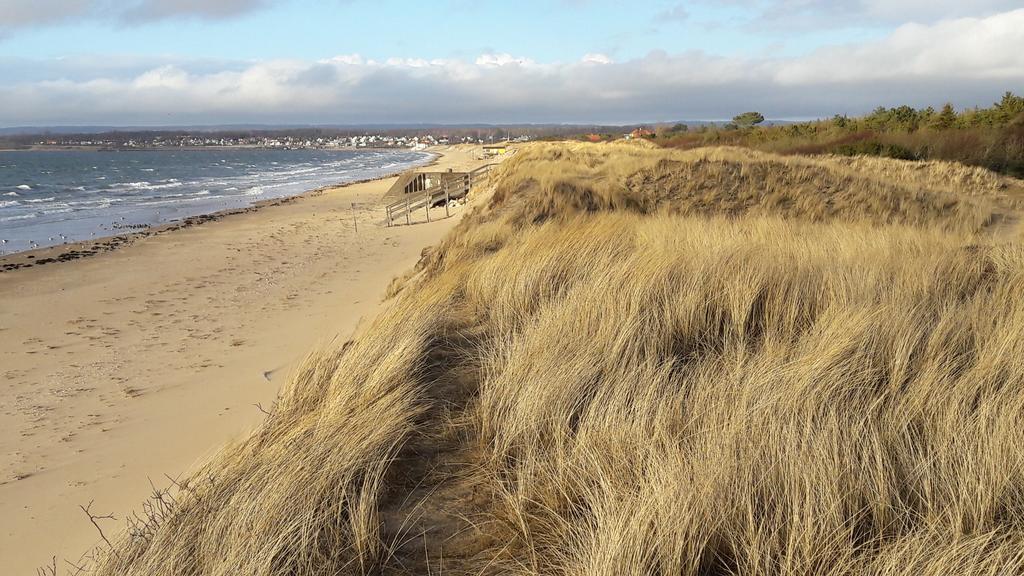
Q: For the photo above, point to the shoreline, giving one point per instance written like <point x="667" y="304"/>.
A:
<point x="135" y="364"/>
<point x="58" y="148"/>
<point x="85" y="248"/>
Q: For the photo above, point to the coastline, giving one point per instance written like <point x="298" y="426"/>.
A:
<point x="85" y="248"/>
<point x="58" y="148"/>
<point x="126" y="367"/>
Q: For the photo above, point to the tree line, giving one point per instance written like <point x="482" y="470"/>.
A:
<point x="992" y="137"/>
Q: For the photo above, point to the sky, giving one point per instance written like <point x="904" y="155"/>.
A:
<point x="189" y="62"/>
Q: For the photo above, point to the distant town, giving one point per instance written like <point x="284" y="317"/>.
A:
<point x="292" y="138"/>
<point x="278" y="142"/>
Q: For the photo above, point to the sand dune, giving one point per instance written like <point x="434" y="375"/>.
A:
<point x="631" y="361"/>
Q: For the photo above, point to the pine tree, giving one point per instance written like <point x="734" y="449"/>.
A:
<point x="748" y="119"/>
<point x="946" y="119"/>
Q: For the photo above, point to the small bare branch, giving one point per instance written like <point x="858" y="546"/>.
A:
<point x="94" y="519"/>
<point x="78" y="569"/>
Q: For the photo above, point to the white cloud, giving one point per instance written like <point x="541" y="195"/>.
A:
<point x="29" y="13"/>
<point x="965" y="48"/>
<point x="932" y="10"/>
<point x="149" y="10"/>
<point x="596" y="58"/>
<point x="496" y="60"/>
<point x="163" y="78"/>
<point x="967" y="60"/>
<point x="790" y="15"/>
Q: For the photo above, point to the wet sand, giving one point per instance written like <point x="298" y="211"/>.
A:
<point x="130" y="365"/>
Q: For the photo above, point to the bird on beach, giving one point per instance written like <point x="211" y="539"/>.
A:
<point x="5" y="241"/>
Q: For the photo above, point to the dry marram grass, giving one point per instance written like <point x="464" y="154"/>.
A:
<point x="634" y="361"/>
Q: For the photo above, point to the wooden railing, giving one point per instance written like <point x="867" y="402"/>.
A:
<point x="450" y="188"/>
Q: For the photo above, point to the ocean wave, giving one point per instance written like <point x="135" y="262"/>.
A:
<point x="12" y="194"/>
<point x="102" y="202"/>
<point x="9" y="203"/>
<point x="58" y="211"/>
<point x="146" y="185"/>
<point x="39" y="200"/>
<point x="23" y="187"/>
<point x="286" y="173"/>
<point x="19" y="217"/>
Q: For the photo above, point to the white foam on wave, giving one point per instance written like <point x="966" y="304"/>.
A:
<point x="169" y="184"/>
<point x="20" y="217"/>
<point x="24" y="187"/>
<point x="92" y="202"/>
<point x="9" y="203"/>
<point x="146" y="185"/>
<point x="15" y="194"/>
<point x="40" y="200"/>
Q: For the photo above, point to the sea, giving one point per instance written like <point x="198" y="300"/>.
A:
<point x="49" y="198"/>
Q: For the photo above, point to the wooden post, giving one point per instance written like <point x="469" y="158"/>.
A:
<point x="355" y="224"/>
<point x="406" y="211"/>
<point x="447" y="199"/>
<point x="388" y="208"/>
<point x="428" y="206"/>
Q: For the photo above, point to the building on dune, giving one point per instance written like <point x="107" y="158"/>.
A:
<point x="496" y="149"/>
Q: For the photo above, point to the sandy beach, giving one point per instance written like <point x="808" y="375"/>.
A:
<point x="127" y="367"/>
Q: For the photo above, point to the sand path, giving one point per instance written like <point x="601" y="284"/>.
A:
<point x="124" y="367"/>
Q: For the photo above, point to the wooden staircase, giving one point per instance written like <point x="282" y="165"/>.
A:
<point x="453" y="187"/>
